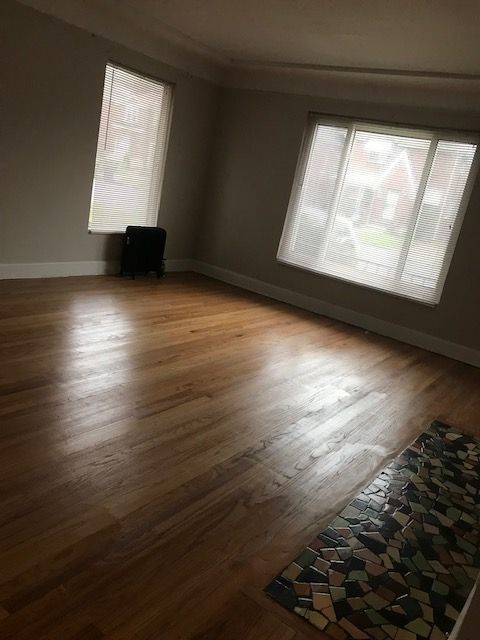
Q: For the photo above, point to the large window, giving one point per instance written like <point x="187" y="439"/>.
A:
<point x="378" y="205"/>
<point x="131" y="149"/>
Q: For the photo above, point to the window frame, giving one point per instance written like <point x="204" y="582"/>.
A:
<point x="144" y="76"/>
<point x="398" y="129"/>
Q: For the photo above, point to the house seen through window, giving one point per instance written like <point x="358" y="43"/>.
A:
<point x="131" y="149"/>
<point x="378" y="205"/>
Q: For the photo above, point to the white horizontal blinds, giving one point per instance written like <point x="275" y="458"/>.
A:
<point x="431" y="246"/>
<point x="314" y="197"/>
<point x="378" y="206"/>
<point x="130" y="152"/>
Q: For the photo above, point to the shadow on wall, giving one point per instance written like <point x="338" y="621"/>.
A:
<point x="112" y="248"/>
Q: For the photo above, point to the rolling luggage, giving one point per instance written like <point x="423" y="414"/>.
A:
<point x="143" y="250"/>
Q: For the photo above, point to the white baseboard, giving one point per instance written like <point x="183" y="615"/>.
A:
<point x="65" y="269"/>
<point x="370" y="323"/>
<point x="54" y="269"/>
<point x="179" y="265"/>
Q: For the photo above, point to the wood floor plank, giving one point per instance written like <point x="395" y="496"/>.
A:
<point x="168" y="446"/>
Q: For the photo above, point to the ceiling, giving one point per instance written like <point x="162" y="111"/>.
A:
<point x="426" y="40"/>
<point x="414" y="35"/>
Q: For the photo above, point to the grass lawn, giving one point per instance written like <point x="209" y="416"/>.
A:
<point x="376" y="237"/>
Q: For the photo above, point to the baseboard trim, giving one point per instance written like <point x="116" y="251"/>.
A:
<point x="410" y="336"/>
<point x="185" y="264"/>
<point x="66" y="269"/>
<point x="54" y="269"/>
<point x="370" y="323"/>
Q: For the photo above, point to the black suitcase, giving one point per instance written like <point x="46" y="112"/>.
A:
<point x="143" y="249"/>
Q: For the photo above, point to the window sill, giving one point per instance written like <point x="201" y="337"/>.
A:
<point x="105" y="233"/>
<point x="399" y="296"/>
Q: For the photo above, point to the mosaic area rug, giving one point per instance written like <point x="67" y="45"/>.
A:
<point x="401" y="559"/>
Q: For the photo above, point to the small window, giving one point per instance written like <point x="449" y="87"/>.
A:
<point x="131" y="149"/>
<point x="378" y="205"/>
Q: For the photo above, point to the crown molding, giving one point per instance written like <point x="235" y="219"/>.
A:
<point x="444" y="92"/>
<point x="293" y="67"/>
<point x="123" y="25"/>
<point x="120" y="23"/>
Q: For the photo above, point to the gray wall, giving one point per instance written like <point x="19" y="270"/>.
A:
<point x="233" y="192"/>
<point x="258" y="139"/>
<point x="51" y="81"/>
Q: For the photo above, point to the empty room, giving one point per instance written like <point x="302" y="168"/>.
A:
<point x="239" y="320"/>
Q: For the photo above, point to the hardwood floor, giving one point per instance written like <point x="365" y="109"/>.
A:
<point x="168" y="446"/>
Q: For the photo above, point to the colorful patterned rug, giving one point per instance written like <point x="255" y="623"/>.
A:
<point x="401" y="559"/>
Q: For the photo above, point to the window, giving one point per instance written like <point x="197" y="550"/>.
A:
<point x="131" y="149"/>
<point x="378" y="205"/>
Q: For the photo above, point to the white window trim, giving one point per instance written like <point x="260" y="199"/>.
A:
<point x="352" y="125"/>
